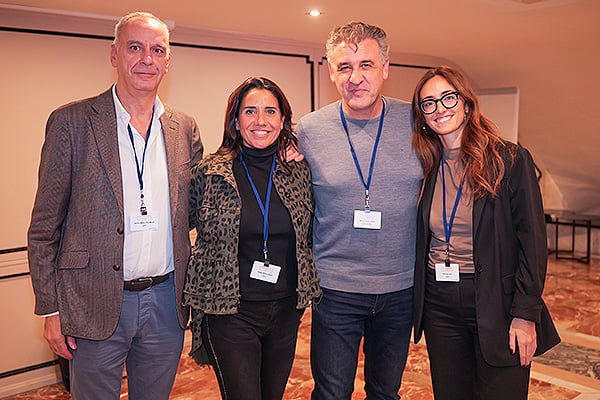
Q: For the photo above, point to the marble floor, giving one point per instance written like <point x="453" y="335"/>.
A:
<point x="571" y="371"/>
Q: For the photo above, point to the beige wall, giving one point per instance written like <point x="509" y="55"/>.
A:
<point x="45" y="71"/>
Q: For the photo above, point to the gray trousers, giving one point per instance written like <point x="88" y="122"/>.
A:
<point x="147" y="341"/>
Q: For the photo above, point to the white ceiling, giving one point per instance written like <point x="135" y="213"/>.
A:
<point x="547" y="48"/>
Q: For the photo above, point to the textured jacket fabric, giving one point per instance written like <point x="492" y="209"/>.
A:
<point x="212" y="284"/>
<point x="509" y="255"/>
<point x="75" y="240"/>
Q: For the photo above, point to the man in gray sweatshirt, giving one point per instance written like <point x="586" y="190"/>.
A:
<point x="366" y="182"/>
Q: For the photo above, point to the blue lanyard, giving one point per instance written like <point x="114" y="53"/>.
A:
<point x="140" y="171"/>
<point x="366" y="184"/>
<point x="264" y="208"/>
<point x="448" y="224"/>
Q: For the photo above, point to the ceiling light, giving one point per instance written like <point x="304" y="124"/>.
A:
<point x="314" y="13"/>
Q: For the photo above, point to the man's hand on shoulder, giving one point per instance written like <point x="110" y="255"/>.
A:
<point x="292" y="154"/>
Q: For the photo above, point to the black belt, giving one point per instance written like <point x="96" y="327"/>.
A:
<point x="139" y="284"/>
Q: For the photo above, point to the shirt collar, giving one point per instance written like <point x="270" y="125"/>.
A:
<point x="124" y="116"/>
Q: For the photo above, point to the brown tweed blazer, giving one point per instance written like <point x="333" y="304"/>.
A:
<point x="75" y="240"/>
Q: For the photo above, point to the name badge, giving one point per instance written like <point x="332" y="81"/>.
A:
<point x="139" y="223"/>
<point x="445" y="273"/>
<point x="367" y="219"/>
<point x="267" y="273"/>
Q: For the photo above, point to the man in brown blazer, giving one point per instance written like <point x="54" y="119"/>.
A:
<point x="108" y="244"/>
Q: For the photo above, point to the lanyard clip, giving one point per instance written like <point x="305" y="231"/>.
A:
<point x="266" y="254"/>
<point x="143" y="210"/>
<point x="367" y="206"/>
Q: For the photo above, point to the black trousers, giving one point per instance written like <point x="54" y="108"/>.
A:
<point x="458" y="370"/>
<point x="252" y="351"/>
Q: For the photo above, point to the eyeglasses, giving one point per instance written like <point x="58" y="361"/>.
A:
<point x="449" y="100"/>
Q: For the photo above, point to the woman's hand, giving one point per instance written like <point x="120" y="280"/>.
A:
<point x="522" y="333"/>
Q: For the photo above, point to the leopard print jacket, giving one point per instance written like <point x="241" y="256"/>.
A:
<point x="212" y="284"/>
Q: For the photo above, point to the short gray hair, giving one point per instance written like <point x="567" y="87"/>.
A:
<point x="355" y="32"/>
<point x="138" y="14"/>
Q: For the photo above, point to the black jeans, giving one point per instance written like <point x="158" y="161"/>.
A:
<point x="458" y="370"/>
<point x="252" y="351"/>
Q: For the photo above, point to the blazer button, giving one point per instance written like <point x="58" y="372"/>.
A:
<point x="479" y="268"/>
<point x="120" y="230"/>
<point x="116" y="267"/>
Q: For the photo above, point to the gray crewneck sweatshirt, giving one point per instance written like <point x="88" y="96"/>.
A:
<point x="363" y="260"/>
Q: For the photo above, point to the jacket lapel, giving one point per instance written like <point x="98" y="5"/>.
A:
<point x="427" y="197"/>
<point x="478" y="208"/>
<point x="170" y="129"/>
<point x="223" y="167"/>
<point x="104" y="126"/>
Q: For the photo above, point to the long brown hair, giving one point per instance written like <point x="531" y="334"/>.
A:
<point x="232" y="139"/>
<point x="481" y="143"/>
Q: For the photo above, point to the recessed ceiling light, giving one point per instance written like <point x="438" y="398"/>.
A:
<point x="314" y="13"/>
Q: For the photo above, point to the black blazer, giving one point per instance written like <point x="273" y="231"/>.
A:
<point x="509" y="254"/>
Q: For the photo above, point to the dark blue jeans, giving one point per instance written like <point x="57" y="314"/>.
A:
<point x="339" y="322"/>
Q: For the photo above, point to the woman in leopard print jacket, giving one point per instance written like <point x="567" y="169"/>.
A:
<point x="248" y="281"/>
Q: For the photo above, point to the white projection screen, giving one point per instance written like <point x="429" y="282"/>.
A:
<point x="46" y="70"/>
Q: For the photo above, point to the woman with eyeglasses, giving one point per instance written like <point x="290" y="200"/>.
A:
<point x="481" y="248"/>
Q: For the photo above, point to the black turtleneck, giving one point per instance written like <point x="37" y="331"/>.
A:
<point x="282" y="239"/>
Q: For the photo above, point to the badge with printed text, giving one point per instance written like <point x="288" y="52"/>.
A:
<point x="265" y="272"/>
<point x="367" y="219"/>
<point x="139" y="223"/>
<point x="446" y="273"/>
